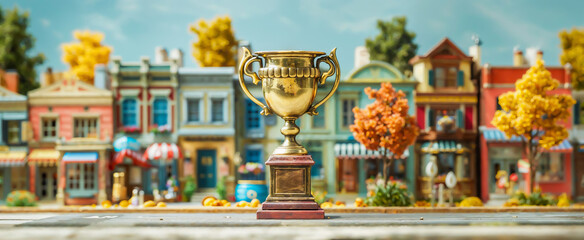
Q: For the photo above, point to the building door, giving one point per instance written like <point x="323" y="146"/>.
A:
<point x="206" y="168"/>
<point x="48" y="182"/>
<point x="350" y="175"/>
<point x="508" y="165"/>
<point x="579" y="178"/>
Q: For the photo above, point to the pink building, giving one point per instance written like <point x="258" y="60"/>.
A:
<point x="72" y="127"/>
<point x="500" y="153"/>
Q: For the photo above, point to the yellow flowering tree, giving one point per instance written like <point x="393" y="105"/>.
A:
<point x="83" y="54"/>
<point x="216" y="44"/>
<point x="532" y="113"/>
<point x="572" y="44"/>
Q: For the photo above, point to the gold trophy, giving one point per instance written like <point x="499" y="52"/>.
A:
<point x="289" y="83"/>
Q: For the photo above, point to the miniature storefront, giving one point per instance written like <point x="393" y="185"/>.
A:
<point x="165" y="158"/>
<point x="132" y="168"/>
<point x="42" y="165"/>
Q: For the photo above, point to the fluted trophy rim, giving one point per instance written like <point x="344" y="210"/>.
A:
<point x="289" y="52"/>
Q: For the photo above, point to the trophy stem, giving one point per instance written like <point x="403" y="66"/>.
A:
<point x="290" y="146"/>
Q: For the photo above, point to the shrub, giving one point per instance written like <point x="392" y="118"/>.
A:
<point x="21" y="198"/>
<point x="189" y="189"/>
<point x="319" y="197"/>
<point x="563" y="200"/>
<point x="391" y="195"/>
<point x="535" y="199"/>
<point x="221" y="191"/>
<point x="471" y="202"/>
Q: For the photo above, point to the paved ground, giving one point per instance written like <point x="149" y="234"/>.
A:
<point x="336" y="226"/>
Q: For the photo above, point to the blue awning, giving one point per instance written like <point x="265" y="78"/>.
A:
<point x="126" y="143"/>
<point x="443" y="146"/>
<point x="496" y="135"/>
<point x="80" y="157"/>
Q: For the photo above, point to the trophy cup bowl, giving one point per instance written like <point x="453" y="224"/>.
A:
<point x="289" y="84"/>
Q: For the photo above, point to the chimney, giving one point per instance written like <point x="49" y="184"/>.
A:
<point x="475" y="52"/>
<point x="518" y="59"/>
<point x="11" y="80"/>
<point x="539" y="55"/>
<point x="361" y="56"/>
<point x="178" y="55"/>
<point x="531" y="55"/>
<point x="100" y="79"/>
<point x="160" y="55"/>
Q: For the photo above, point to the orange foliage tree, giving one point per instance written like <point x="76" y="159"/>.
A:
<point x="385" y="124"/>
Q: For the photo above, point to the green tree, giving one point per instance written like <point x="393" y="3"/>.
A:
<point x="572" y="44"/>
<point x="394" y="44"/>
<point x="15" y="44"/>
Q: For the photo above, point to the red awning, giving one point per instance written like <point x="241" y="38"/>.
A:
<point x="137" y="158"/>
<point x="164" y="151"/>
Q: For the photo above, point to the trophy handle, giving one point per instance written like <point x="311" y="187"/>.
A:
<point x="248" y="59"/>
<point x="332" y="61"/>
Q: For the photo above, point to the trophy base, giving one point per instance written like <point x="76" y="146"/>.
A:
<point x="290" y="210"/>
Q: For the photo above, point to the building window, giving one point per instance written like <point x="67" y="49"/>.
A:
<point x="85" y="128"/>
<point x="160" y="112"/>
<point x="348" y="117"/>
<point x="446" y="120"/>
<point x="129" y="113"/>
<point x="217" y="111"/>
<point x="253" y="155"/>
<point x="12" y="132"/>
<point x="499" y="108"/>
<point x="160" y="78"/>
<point x="49" y="128"/>
<point x="252" y="115"/>
<point x="551" y="167"/>
<point x="194" y="110"/>
<point x="81" y="176"/>
<point x="446" y="77"/>
<point x="318" y="120"/>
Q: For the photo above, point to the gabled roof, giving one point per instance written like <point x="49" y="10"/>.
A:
<point x="444" y="49"/>
<point x="9" y="96"/>
<point x="376" y="71"/>
<point x="65" y="92"/>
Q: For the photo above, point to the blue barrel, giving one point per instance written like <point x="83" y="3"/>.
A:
<point x="247" y="190"/>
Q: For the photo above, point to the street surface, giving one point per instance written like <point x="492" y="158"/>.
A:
<point x="337" y="226"/>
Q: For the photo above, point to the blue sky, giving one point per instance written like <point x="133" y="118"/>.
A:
<point x="134" y="28"/>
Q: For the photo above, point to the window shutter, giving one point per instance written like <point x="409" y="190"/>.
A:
<point x="460" y="79"/>
<point x="576" y="113"/>
<point x="459" y="118"/>
<point x="421" y="115"/>
<point x="431" y="77"/>
<point x="431" y="118"/>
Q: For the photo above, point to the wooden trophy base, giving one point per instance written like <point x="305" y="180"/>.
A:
<point x="290" y="196"/>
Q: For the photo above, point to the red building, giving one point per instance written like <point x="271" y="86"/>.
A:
<point x="500" y="153"/>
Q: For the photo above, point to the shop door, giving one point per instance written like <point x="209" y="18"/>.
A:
<point x="48" y="182"/>
<point x="579" y="178"/>
<point x="206" y="168"/>
<point x="350" y="175"/>
<point x="505" y="164"/>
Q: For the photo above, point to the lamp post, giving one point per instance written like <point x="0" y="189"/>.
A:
<point x="450" y="183"/>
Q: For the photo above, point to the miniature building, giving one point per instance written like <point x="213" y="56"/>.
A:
<point x="206" y="132"/>
<point x="355" y="164"/>
<point x="501" y="153"/>
<point x="13" y="135"/>
<point x="446" y="111"/>
<point x="578" y="141"/>
<point x="145" y="109"/>
<point x="71" y="123"/>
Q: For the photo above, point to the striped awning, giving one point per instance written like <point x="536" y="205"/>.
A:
<point x="80" y="157"/>
<point x="162" y="151"/>
<point x="443" y="146"/>
<point x="496" y="135"/>
<point x="12" y="159"/>
<point x="44" y="157"/>
<point x="136" y="157"/>
<point x="357" y="150"/>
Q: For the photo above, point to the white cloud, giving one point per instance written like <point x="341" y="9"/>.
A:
<point x="111" y="27"/>
<point x="45" y="22"/>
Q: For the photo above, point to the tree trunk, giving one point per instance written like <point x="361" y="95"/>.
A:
<point x="386" y="165"/>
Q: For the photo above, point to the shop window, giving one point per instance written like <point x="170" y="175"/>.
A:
<point x="551" y="167"/>
<point x="348" y="118"/>
<point x="217" y="110"/>
<point x="85" y="127"/>
<point x="49" y="128"/>
<point x="12" y="130"/>
<point x="194" y="110"/>
<point x="398" y="169"/>
<point x="318" y="121"/>
<point x="252" y="115"/>
<point x="446" y="120"/>
<point x="445" y="163"/>
<point x="18" y="177"/>
<point x="129" y="113"/>
<point x="81" y="179"/>
<point x="317" y="170"/>
<point x="253" y="155"/>
<point x="160" y="112"/>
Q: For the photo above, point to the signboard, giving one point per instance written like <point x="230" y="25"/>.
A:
<point x="523" y="166"/>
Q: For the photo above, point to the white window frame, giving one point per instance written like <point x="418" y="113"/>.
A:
<point x="221" y="96"/>
<point x="348" y="98"/>
<point x="131" y="94"/>
<point x="42" y="137"/>
<point x="185" y="107"/>
<point x="87" y="116"/>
